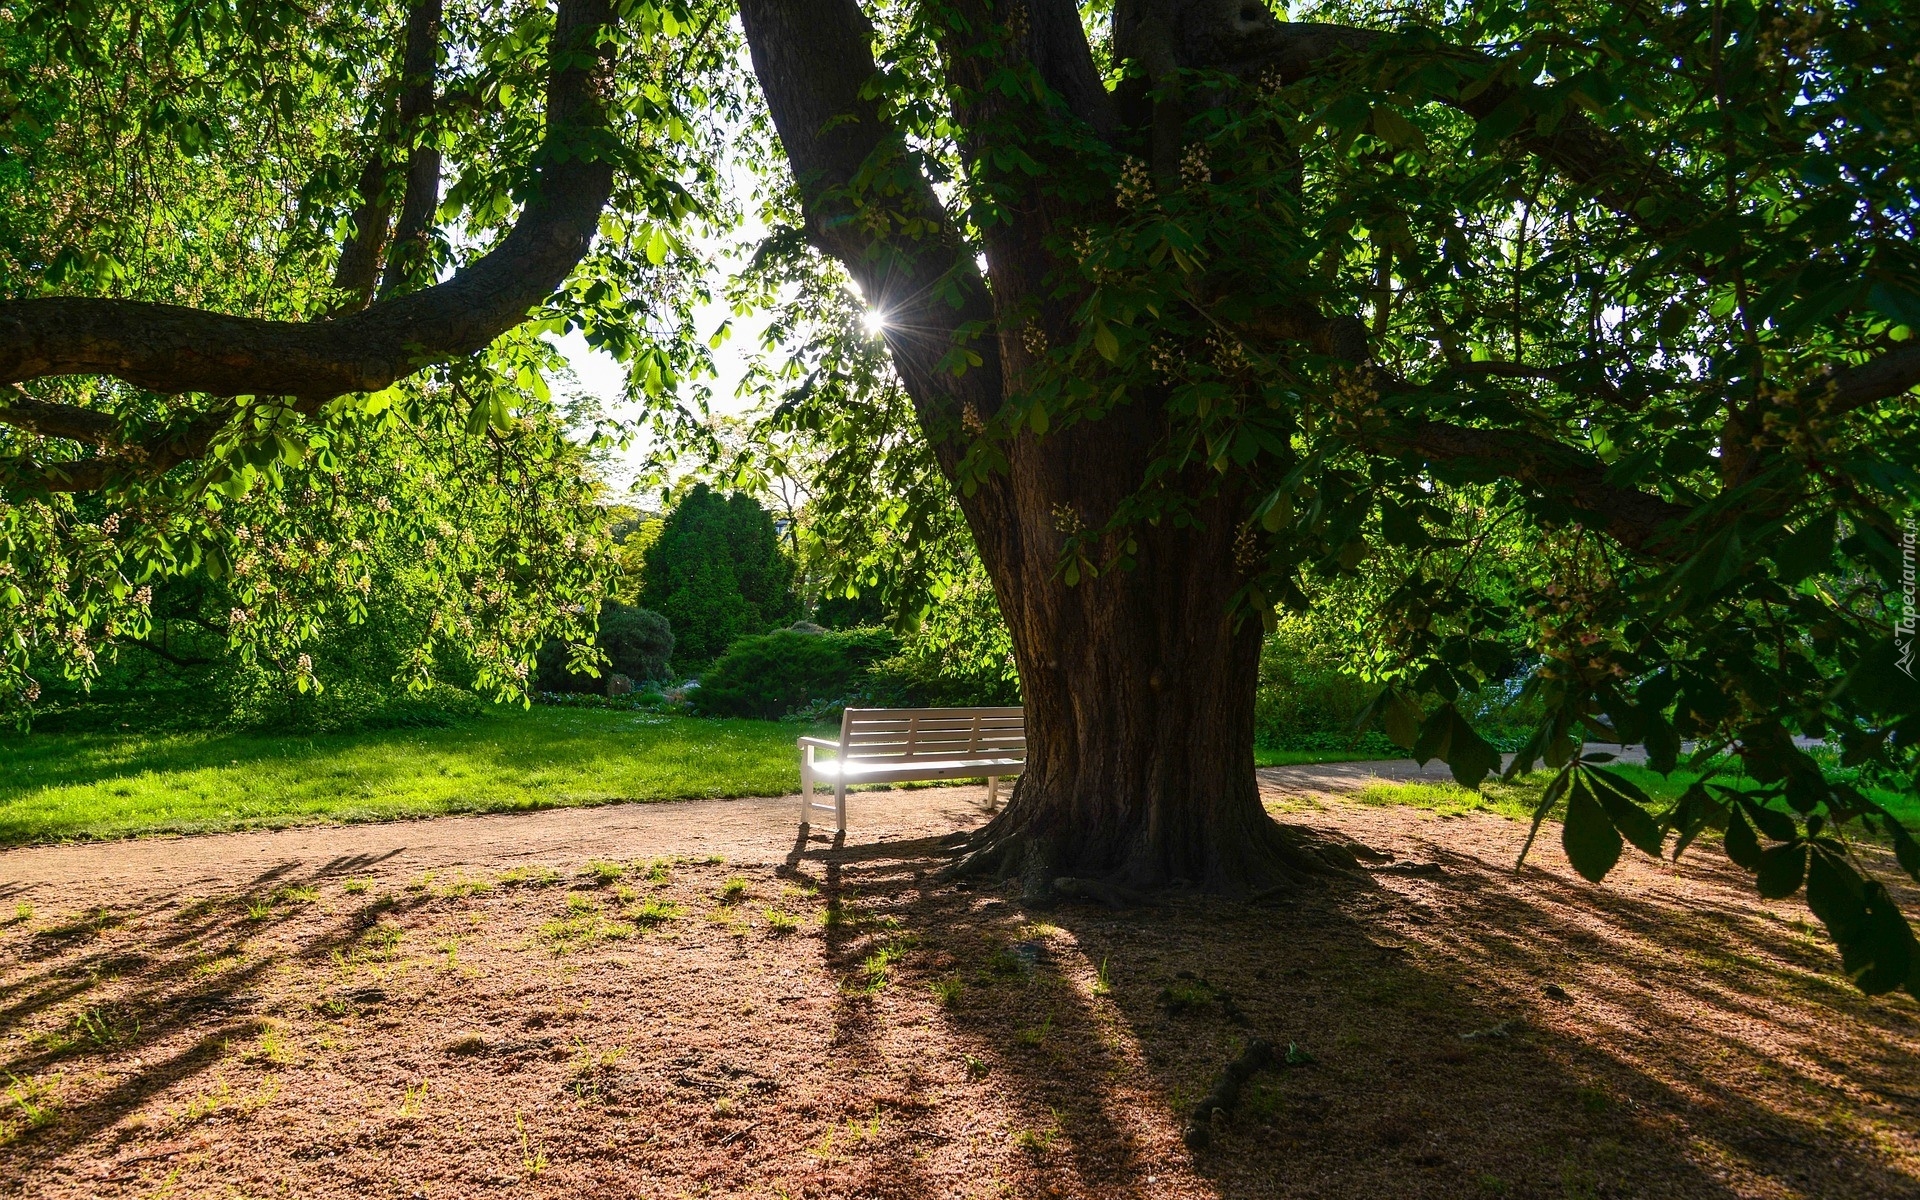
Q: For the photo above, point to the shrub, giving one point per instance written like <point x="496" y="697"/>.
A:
<point x="637" y="642"/>
<point x="775" y="673"/>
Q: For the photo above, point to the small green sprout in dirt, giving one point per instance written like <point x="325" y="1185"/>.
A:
<point x="102" y="1027"/>
<point x="1102" y="982"/>
<point x="1035" y="1141"/>
<point x="977" y="1067"/>
<point x="414" y="1099"/>
<point x="875" y="970"/>
<point x="659" y="871"/>
<point x="715" y="860"/>
<point x="653" y="911"/>
<point x="466" y="886"/>
<point x="804" y="891"/>
<point x="781" y="922"/>
<point x="1034" y="1035"/>
<point x="588" y="1078"/>
<point x="533" y="1159"/>
<point x="35" y="1101"/>
<point x="583" y="929"/>
<point x="382" y="937"/>
<point x="624" y="894"/>
<point x="304" y="893"/>
<point x="422" y="884"/>
<point x="451" y="948"/>
<point x="22" y="913"/>
<point x="603" y="871"/>
<point x="733" y="890"/>
<point x="272" y="1046"/>
<point x="725" y="1107"/>
<point x="947" y="991"/>
<point x="580" y="903"/>
<point x="354" y="887"/>
<point x="529" y="877"/>
<point x="833" y="916"/>
<point x="259" y="910"/>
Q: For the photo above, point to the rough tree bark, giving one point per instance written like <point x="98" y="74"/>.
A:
<point x="1138" y="684"/>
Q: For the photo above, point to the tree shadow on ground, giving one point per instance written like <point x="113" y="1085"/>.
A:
<point x="1459" y="1032"/>
<point x="896" y="1036"/>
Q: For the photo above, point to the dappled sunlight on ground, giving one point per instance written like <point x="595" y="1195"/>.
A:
<point x="812" y="1021"/>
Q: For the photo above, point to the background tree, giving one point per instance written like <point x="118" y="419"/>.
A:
<point x="717" y="572"/>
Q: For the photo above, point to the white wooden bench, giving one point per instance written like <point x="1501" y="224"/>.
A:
<point x="898" y="745"/>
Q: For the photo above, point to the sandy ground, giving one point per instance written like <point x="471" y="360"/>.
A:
<point x="463" y="1007"/>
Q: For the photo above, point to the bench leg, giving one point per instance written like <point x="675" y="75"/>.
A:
<point x="806" y="791"/>
<point x="993" y="792"/>
<point x="840" y="805"/>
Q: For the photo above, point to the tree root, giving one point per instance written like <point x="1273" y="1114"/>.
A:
<point x="1226" y="1093"/>
<point x="1110" y="894"/>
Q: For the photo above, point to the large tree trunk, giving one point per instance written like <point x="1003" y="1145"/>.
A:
<point x="1139" y="683"/>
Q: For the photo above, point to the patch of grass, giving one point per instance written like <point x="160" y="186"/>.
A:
<point x="103" y="1027"/>
<point x="876" y="970"/>
<point x="603" y="871"/>
<point x="1035" y="1035"/>
<point x="653" y="911"/>
<point x="948" y="991"/>
<point x="1102" y="983"/>
<point x="584" y="926"/>
<point x="976" y="1067"/>
<point x="414" y="1099"/>
<point x="22" y="913"/>
<point x="659" y="871"/>
<point x="529" y="877"/>
<point x="31" y="1104"/>
<point x="733" y="891"/>
<point x="354" y="887"/>
<point x="781" y="922"/>
<point x="260" y="910"/>
<point x="1516" y="800"/>
<point x="56" y="787"/>
<point x="295" y="894"/>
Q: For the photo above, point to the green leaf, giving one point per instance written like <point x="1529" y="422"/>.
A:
<point x="1742" y="847"/>
<point x="1808" y="551"/>
<point x="1591" y="842"/>
<point x="1622" y="802"/>
<point x="1781" y="870"/>
<point x="1400" y="718"/>
<point x="1548" y="799"/>
<point x="1104" y="341"/>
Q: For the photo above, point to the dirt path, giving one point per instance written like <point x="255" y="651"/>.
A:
<point x="467" y="1007"/>
<point x="760" y="830"/>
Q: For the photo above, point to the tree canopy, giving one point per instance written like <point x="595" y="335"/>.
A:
<point x="1580" y="334"/>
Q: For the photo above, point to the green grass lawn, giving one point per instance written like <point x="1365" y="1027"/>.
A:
<point x="1517" y="799"/>
<point x="61" y="786"/>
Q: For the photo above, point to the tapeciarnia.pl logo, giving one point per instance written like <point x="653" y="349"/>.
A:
<point x="1909" y="596"/>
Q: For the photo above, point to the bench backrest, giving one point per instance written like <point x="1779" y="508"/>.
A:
<point x="910" y="734"/>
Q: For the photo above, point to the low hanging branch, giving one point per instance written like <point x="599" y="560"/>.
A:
<point x="173" y="349"/>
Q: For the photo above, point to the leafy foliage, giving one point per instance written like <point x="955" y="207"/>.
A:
<point x="772" y="674"/>
<point x="632" y="641"/>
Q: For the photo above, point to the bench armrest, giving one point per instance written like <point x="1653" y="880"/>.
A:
<point x="820" y="744"/>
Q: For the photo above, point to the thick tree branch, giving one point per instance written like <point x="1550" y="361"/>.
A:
<point x="23" y="411"/>
<point x="412" y="240"/>
<point x="358" y="268"/>
<point x="169" y="348"/>
<point x="1642" y="522"/>
<point x="868" y="204"/>
<point x="1877" y="379"/>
